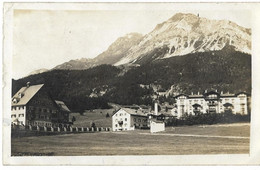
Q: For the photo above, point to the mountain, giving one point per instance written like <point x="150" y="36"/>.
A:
<point x="38" y="71"/>
<point x="114" y="53"/>
<point x="224" y="70"/>
<point x="187" y="33"/>
<point x="181" y="55"/>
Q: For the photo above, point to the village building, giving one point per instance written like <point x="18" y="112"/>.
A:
<point x="129" y="119"/>
<point x="211" y="102"/>
<point x="32" y="105"/>
<point x="64" y="110"/>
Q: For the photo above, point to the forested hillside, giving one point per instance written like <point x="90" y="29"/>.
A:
<point x="225" y="70"/>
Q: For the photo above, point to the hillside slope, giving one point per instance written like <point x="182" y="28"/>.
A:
<point x="225" y="70"/>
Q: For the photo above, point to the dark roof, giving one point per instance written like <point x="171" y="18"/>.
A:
<point x="132" y="112"/>
<point x="26" y="93"/>
<point x="62" y="106"/>
<point x="181" y="95"/>
<point x="166" y="114"/>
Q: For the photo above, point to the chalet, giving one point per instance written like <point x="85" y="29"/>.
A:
<point x="32" y="105"/>
<point x="211" y="102"/>
<point x="64" y="110"/>
<point x="129" y="119"/>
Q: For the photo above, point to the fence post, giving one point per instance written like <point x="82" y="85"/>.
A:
<point x="45" y="128"/>
<point x="65" y="129"/>
<point x="71" y="129"/>
<point x="77" y="129"/>
<point x="38" y="128"/>
<point x="52" y="129"/>
<point x="82" y="129"/>
<point x="30" y="127"/>
<point x="58" y="129"/>
<point x="92" y="129"/>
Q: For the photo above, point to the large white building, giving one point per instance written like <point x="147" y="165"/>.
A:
<point x="211" y="102"/>
<point x="129" y="119"/>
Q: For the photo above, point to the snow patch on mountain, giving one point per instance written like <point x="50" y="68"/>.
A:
<point x="188" y="33"/>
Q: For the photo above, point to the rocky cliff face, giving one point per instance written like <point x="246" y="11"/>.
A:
<point x="187" y="33"/>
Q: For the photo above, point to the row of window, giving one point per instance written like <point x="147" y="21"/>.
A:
<point x="121" y="119"/>
<point x="139" y="120"/>
<point x="19" y="115"/>
<point x="45" y="110"/>
<point x="120" y="114"/>
<point x="116" y="125"/>
<point x="17" y="107"/>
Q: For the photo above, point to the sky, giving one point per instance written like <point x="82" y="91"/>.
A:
<point x="45" y="39"/>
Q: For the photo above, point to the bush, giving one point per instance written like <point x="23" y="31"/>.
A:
<point x="210" y="118"/>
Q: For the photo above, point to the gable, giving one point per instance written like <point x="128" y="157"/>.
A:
<point x="25" y="94"/>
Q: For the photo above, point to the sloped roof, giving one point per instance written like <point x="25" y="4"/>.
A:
<point x="196" y="96"/>
<point x="27" y="94"/>
<point x="133" y="112"/>
<point x="62" y="106"/>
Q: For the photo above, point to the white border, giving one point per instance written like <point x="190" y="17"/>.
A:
<point x="234" y="159"/>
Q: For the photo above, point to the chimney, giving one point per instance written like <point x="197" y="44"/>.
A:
<point x="28" y="84"/>
<point x="156" y="108"/>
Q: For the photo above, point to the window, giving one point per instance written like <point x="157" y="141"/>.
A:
<point x="21" y="115"/>
<point x="116" y="125"/>
<point x="13" y="116"/>
<point x="125" y="119"/>
<point x="134" y="119"/>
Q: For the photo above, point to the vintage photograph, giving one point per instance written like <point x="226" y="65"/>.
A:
<point x="142" y="81"/>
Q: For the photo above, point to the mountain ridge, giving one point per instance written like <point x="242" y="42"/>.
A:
<point x="188" y="33"/>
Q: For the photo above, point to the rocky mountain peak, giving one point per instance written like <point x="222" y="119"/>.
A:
<point x="188" y="33"/>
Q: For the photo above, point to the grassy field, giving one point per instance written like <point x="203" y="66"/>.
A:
<point x="140" y="142"/>
<point x="98" y="116"/>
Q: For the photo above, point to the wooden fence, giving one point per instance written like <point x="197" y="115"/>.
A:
<point x="41" y="130"/>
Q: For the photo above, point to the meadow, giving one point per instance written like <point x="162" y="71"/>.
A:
<point x="210" y="139"/>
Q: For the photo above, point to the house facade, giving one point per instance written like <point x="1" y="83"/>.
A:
<point x="128" y="119"/>
<point x="32" y="105"/>
<point x="211" y="102"/>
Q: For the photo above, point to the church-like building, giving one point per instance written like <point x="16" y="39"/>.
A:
<point x="211" y="102"/>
